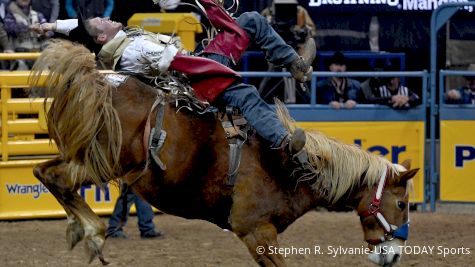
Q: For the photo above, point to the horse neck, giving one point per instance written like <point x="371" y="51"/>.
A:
<point x="310" y="198"/>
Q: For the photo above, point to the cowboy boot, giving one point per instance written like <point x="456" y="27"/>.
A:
<point x="301" y="68"/>
<point x="296" y="146"/>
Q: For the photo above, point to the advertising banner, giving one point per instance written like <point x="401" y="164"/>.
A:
<point x="457" y="161"/>
<point x="396" y="141"/>
<point x="23" y="196"/>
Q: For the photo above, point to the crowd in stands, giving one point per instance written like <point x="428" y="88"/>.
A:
<point x="16" y="17"/>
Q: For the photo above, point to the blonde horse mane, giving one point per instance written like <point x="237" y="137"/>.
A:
<point x="338" y="167"/>
<point x="81" y="113"/>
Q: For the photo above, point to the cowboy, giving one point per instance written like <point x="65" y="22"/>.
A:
<point x="141" y="52"/>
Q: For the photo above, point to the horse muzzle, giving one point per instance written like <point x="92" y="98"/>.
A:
<point x="387" y="253"/>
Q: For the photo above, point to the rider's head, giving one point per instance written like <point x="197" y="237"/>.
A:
<point x="102" y="29"/>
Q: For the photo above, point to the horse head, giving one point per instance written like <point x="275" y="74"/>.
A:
<point x="384" y="214"/>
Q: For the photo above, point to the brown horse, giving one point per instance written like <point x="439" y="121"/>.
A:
<point x="99" y="129"/>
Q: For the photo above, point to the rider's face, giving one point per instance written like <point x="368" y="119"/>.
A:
<point x="105" y="29"/>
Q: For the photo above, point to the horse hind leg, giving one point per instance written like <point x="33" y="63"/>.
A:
<point x="261" y="242"/>
<point x="83" y="223"/>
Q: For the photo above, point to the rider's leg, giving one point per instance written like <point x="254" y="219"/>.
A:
<point x="234" y="37"/>
<point x="263" y="118"/>
<point x="276" y="50"/>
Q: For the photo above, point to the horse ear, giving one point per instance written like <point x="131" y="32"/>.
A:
<point x="405" y="176"/>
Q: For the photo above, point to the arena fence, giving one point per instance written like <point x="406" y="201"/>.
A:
<point x="395" y="134"/>
<point x="25" y="143"/>
<point x="457" y="146"/>
<point x="455" y="178"/>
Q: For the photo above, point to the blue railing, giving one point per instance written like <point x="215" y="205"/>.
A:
<point x="439" y="18"/>
<point x="362" y="112"/>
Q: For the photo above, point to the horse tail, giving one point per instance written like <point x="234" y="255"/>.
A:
<point x="81" y="118"/>
<point x="339" y="166"/>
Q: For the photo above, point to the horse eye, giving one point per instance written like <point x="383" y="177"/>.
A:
<point x="401" y="205"/>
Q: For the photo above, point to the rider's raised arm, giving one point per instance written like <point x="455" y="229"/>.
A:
<point x="60" y="26"/>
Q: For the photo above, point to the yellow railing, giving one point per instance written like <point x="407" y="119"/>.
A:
<point x="13" y="56"/>
<point x="19" y="131"/>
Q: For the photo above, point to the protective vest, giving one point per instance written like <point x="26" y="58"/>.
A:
<point x="207" y="77"/>
<point x="111" y="52"/>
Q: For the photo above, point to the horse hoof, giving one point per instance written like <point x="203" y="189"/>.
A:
<point x="74" y="233"/>
<point x="94" y="245"/>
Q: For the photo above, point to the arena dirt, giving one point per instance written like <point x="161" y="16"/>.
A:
<point x="198" y="243"/>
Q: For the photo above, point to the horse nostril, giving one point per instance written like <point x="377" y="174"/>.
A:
<point x="396" y="258"/>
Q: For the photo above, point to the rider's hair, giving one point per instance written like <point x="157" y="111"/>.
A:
<point x="92" y="31"/>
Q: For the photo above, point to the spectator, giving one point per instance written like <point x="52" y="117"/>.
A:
<point x="393" y="94"/>
<point x="20" y="16"/>
<point x="464" y="94"/>
<point x="91" y="8"/>
<point x="369" y="88"/>
<point x="49" y="8"/>
<point x="144" y="214"/>
<point x="5" y="45"/>
<point x="339" y="92"/>
<point x="4" y="42"/>
<point x="371" y="84"/>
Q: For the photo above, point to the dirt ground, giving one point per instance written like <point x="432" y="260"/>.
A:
<point x="199" y="243"/>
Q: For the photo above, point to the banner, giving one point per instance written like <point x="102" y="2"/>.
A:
<point x="457" y="164"/>
<point x="396" y="141"/>
<point x="23" y="196"/>
<point x="379" y="5"/>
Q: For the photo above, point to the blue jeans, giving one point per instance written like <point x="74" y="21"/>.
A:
<point x="262" y="35"/>
<point x="244" y="96"/>
<point x="144" y="213"/>
<point x="256" y="111"/>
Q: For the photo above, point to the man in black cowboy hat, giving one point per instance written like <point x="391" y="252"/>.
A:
<point x="339" y="92"/>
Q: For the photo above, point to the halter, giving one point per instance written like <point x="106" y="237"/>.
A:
<point x="390" y="231"/>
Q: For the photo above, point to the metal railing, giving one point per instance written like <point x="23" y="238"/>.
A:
<point x="22" y="119"/>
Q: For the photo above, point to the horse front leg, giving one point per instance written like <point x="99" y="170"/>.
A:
<point x="82" y="221"/>
<point x="261" y="242"/>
